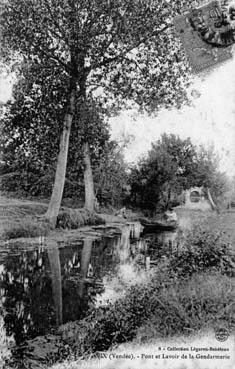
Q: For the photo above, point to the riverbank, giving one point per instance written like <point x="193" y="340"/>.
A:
<point x="181" y="296"/>
<point x="21" y="218"/>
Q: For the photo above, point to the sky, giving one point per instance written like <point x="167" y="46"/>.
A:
<point x="211" y="119"/>
<point x="5" y="87"/>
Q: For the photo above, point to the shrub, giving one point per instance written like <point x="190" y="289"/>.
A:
<point x="75" y="218"/>
<point x="186" y="292"/>
<point x="161" y="308"/>
<point x="202" y="250"/>
<point x="190" y="305"/>
<point x="112" y="323"/>
<point x="25" y="228"/>
<point x="27" y="183"/>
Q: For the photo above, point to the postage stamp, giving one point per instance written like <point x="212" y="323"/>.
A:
<point x="202" y="55"/>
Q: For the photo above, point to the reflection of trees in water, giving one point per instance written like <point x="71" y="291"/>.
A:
<point x="32" y="287"/>
<point x="26" y="295"/>
<point x="43" y="289"/>
<point x="76" y="297"/>
<point x="103" y="257"/>
<point x="54" y="259"/>
<point x="5" y="342"/>
<point x="123" y="247"/>
<point x="80" y="280"/>
<point x="159" y="244"/>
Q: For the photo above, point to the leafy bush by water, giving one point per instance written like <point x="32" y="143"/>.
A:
<point x="74" y="218"/>
<point x="152" y="311"/>
<point x="25" y="228"/>
<point x="202" y="250"/>
<point x="205" y="300"/>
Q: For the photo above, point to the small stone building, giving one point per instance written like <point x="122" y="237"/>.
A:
<point x="195" y="199"/>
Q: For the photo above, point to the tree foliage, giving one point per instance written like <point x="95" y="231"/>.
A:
<point x="118" y="53"/>
<point x="126" y="49"/>
<point x="207" y="171"/>
<point x="171" y="166"/>
<point x="111" y="176"/>
<point x="30" y="138"/>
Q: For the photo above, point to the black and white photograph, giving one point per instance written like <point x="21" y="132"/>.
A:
<point x="117" y="184"/>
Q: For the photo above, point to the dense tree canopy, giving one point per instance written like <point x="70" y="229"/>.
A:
<point x="30" y="140"/>
<point x="172" y="165"/>
<point x="93" y="36"/>
<point x="30" y="137"/>
<point x="111" y="176"/>
<point x="117" y="52"/>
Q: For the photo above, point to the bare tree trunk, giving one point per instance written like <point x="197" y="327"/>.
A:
<point x="88" y="180"/>
<point x="214" y="207"/>
<point x="58" y="188"/>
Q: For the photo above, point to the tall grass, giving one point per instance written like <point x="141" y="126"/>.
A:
<point x="22" y="221"/>
<point x="75" y="218"/>
<point x="203" y="339"/>
<point x="190" y="290"/>
<point x="26" y="220"/>
<point x="203" y="301"/>
<point x="26" y="227"/>
<point x="152" y="311"/>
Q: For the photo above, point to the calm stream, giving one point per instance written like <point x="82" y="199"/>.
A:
<point x="52" y="283"/>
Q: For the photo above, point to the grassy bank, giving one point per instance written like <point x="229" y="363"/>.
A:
<point x="156" y="311"/>
<point x="75" y="218"/>
<point x="22" y="218"/>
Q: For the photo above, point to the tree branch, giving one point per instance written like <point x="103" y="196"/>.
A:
<point x="132" y="61"/>
<point x="53" y="19"/>
<point x="107" y="61"/>
<point x="53" y="57"/>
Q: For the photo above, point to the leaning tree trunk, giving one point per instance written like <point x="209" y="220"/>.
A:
<point x="58" y="188"/>
<point x="88" y="180"/>
<point x="214" y="207"/>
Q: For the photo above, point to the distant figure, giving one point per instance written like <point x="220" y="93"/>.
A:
<point x="121" y="213"/>
<point x="97" y="204"/>
<point x="171" y="215"/>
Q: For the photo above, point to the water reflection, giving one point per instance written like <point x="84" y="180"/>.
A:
<point x="26" y="294"/>
<point x="51" y="284"/>
<point x="54" y="260"/>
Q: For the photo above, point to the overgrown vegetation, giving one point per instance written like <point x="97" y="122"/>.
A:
<point x="58" y="78"/>
<point x="203" y="301"/>
<point x="190" y="290"/>
<point x="171" y="166"/>
<point x="26" y="220"/>
<point x="202" y="250"/>
<point x="75" y="218"/>
<point x="158" y="310"/>
<point x="27" y="227"/>
<point x="21" y="220"/>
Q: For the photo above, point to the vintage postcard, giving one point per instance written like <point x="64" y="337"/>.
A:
<point x="117" y="184"/>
